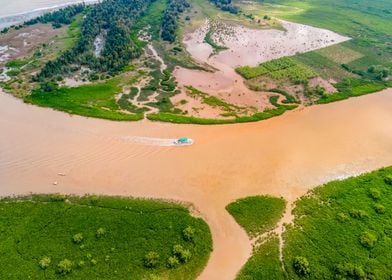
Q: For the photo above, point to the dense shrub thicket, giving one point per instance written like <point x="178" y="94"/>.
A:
<point x="60" y="17"/>
<point x="225" y="5"/>
<point x="170" y="17"/>
<point x="116" y="18"/>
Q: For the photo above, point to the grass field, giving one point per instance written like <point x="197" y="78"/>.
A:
<point x="257" y="214"/>
<point x="344" y="230"/>
<point x="341" y="230"/>
<point x="351" y="88"/>
<point x="59" y="237"/>
<point x="96" y="100"/>
<point x="285" y="68"/>
<point x="264" y="263"/>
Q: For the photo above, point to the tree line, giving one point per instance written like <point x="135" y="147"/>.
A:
<point x="225" y="5"/>
<point x="60" y="17"/>
<point x="115" y="18"/>
<point x="170" y="17"/>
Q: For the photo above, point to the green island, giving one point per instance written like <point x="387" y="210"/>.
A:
<point x="341" y="230"/>
<point x="119" y="59"/>
<point x="100" y="237"/>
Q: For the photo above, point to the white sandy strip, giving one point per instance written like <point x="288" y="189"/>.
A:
<point x="150" y="141"/>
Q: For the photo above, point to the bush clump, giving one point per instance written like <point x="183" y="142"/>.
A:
<point x="188" y="233"/>
<point x="100" y="232"/>
<point x="77" y="238"/>
<point x="64" y="267"/>
<point x="301" y="266"/>
<point x="375" y="193"/>
<point x="172" y="262"/>
<point x="44" y="262"/>
<point x="151" y="259"/>
<point x="367" y="239"/>
<point x="388" y="180"/>
<point x="379" y="208"/>
<point x="349" y="270"/>
<point x="341" y="217"/>
<point x="184" y="255"/>
<point x="358" y="214"/>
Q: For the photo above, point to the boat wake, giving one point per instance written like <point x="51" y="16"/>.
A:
<point x="151" y="141"/>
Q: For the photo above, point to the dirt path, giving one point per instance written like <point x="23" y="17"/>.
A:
<point x="283" y="156"/>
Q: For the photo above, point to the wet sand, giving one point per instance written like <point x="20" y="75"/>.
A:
<point x="283" y="156"/>
<point x="246" y="47"/>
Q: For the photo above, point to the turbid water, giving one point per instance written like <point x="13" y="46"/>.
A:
<point x="17" y="11"/>
<point x="42" y="150"/>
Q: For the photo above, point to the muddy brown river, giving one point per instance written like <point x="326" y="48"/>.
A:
<point x="42" y="150"/>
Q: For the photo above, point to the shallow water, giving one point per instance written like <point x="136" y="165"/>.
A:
<point x="16" y="11"/>
<point x="283" y="156"/>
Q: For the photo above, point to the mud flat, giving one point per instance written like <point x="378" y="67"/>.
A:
<point x="246" y="47"/>
<point x="284" y="156"/>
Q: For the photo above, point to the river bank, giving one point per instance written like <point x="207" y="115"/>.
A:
<point x="46" y="151"/>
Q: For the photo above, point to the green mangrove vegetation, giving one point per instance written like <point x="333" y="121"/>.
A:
<point x="257" y="214"/>
<point x="341" y="230"/>
<point x="57" y="236"/>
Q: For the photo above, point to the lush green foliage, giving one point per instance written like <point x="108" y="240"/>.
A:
<point x="343" y="230"/>
<point x="60" y="17"/>
<point x="170" y="17"/>
<point x="264" y="263"/>
<point x="279" y="69"/>
<point x="225" y="5"/>
<point x="208" y="39"/>
<point x="175" y="118"/>
<point x="136" y="238"/>
<point x="257" y="214"/>
<point x="352" y="87"/>
<point x="95" y="100"/>
<point x="116" y="17"/>
<point x="251" y="72"/>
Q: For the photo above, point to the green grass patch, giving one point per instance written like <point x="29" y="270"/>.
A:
<point x="54" y="236"/>
<point x="264" y="263"/>
<point x="216" y="48"/>
<point x="96" y="100"/>
<point x="257" y="214"/>
<point x="175" y="118"/>
<point x="351" y="88"/>
<point x="279" y="69"/>
<point x="251" y="72"/>
<point x="17" y="63"/>
<point x="343" y="230"/>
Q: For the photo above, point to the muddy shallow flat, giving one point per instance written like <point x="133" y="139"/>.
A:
<point x="283" y="156"/>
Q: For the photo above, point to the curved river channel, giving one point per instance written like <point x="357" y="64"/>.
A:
<point x="42" y="150"/>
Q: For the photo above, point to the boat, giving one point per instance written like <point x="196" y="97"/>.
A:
<point x="183" y="141"/>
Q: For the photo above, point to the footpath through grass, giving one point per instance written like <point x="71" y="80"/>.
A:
<point x="58" y="237"/>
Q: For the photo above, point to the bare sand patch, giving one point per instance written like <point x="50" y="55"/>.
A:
<point x="20" y="43"/>
<point x="246" y="46"/>
<point x="318" y="81"/>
